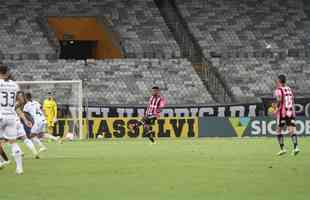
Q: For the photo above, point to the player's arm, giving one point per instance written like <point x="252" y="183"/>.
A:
<point x="278" y="97"/>
<point x="162" y="104"/>
<point x="26" y="108"/>
<point x="44" y="108"/>
<point x="276" y="105"/>
<point x="24" y="118"/>
<point x="55" y="111"/>
<point x="40" y="110"/>
<point x="147" y="107"/>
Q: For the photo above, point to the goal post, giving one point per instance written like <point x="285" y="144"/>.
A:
<point x="69" y="98"/>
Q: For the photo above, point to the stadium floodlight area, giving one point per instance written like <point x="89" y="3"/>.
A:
<point x="67" y="93"/>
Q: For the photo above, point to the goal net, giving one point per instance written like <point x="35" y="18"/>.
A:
<point x="69" y="98"/>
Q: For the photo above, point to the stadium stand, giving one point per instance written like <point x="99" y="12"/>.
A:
<point x="143" y="32"/>
<point x="120" y="81"/>
<point x="252" y="78"/>
<point x="245" y="26"/>
<point x="20" y="34"/>
<point x="234" y="35"/>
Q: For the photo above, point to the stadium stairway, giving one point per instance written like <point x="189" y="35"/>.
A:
<point x="307" y="27"/>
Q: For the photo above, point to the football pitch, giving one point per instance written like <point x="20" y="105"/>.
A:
<point x="180" y="169"/>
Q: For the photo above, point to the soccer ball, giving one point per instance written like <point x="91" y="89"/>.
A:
<point x="70" y="136"/>
<point x="100" y="137"/>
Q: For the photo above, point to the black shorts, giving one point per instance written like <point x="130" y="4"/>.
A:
<point x="146" y="120"/>
<point x="149" y="120"/>
<point x="286" y="121"/>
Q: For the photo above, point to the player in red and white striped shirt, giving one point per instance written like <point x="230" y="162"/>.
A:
<point x="155" y="104"/>
<point x="285" y="112"/>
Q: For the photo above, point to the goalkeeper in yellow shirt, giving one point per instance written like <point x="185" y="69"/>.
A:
<point x="50" y="112"/>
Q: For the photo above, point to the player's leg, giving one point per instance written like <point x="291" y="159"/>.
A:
<point x="148" y="121"/>
<point x="50" y="126"/>
<point x="67" y="137"/>
<point x="17" y="155"/>
<point x="134" y="125"/>
<point x="280" y="137"/>
<point x="3" y="155"/>
<point x="21" y="134"/>
<point x="11" y="136"/>
<point x="292" y="132"/>
<point x="50" y="129"/>
<point x="1" y="163"/>
<point x="37" y="141"/>
<point x="31" y="147"/>
<point x="49" y="136"/>
<point x="35" y="130"/>
<point x="294" y="138"/>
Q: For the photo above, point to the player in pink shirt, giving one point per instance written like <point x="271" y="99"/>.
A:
<point x="285" y="113"/>
<point x="155" y="104"/>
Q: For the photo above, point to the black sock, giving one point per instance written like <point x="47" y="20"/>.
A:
<point x="280" y="140"/>
<point x="294" y="140"/>
<point x="3" y="154"/>
<point x="148" y="134"/>
<point x="139" y="123"/>
<point x="151" y="138"/>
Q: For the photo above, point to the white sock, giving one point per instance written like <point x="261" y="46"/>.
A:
<point x="17" y="154"/>
<point x="38" y="142"/>
<point x="31" y="146"/>
<point x="49" y="136"/>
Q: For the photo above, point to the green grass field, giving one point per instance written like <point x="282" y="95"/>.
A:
<point x="230" y="169"/>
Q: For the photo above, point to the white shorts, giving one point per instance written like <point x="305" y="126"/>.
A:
<point x="8" y="128"/>
<point x="38" y="127"/>
<point x="20" y="129"/>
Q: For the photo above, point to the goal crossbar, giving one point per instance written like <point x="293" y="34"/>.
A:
<point x="38" y="82"/>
